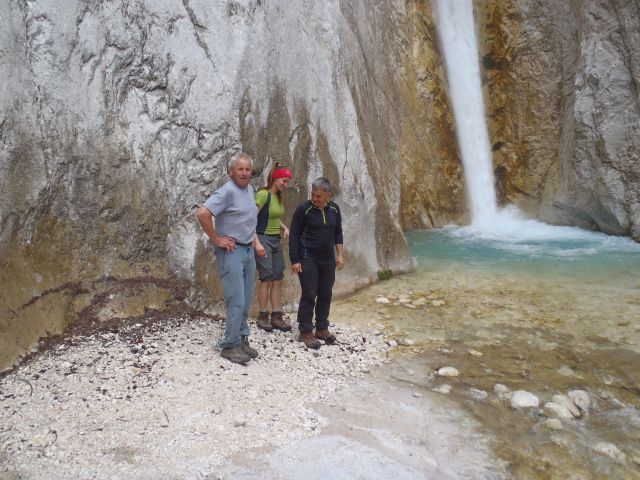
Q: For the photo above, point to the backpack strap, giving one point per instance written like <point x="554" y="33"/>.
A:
<point x="263" y="216"/>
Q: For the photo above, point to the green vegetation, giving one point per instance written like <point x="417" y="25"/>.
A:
<point x="385" y="274"/>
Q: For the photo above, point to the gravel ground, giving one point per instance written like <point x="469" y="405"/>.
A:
<point x="158" y="401"/>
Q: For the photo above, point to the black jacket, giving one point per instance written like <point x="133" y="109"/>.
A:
<point x="315" y="232"/>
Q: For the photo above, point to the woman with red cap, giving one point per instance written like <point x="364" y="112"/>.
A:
<point x="269" y="256"/>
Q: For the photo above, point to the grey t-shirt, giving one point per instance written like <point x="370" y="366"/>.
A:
<point x="235" y="211"/>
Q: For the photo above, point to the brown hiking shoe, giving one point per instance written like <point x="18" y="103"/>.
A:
<point x="235" y="355"/>
<point x="263" y="322"/>
<point x="246" y="348"/>
<point x="278" y="323"/>
<point x="326" y="336"/>
<point x="309" y="340"/>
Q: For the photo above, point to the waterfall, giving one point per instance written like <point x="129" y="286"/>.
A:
<point x="460" y="49"/>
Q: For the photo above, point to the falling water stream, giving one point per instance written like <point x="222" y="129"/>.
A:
<point x="515" y="304"/>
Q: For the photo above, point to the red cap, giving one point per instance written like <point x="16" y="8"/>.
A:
<point x="281" y="172"/>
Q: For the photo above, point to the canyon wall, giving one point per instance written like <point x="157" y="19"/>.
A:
<point x="118" y="118"/>
<point x="562" y="92"/>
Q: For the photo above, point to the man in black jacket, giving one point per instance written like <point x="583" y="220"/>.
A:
<point x="314" y="238"/>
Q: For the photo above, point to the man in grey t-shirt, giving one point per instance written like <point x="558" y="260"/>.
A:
<point x="233" y="206"/>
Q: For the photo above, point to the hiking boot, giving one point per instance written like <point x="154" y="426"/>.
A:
<point x="263" y="322"/>
<point x="278" y="323"/>
<point x="235" y="355"/>
<point x="309" y="340"/>
<point x="246" y="348"/>
<point x="326" y="336"/>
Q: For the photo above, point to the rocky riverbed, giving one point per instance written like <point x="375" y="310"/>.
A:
<point x="152" y="398"/>
<point x="157" y="400"/>
<point x="545" y="361"/>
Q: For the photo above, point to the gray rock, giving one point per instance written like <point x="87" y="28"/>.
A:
<point x="553" y="424"/>
<point x="500" y="390"/>
<point x="447" y="372"/>
<point x="581" y="398"/>
<point x="443" y="389"/>
<point x="106" y="111"/>
<point x="556" y="410"/>
<point x="478" y="394"/>
<point x="611" y="451"/>
<point x="567" y="403"/>
<point x="524" y="399"/>
<point x="583" y="167"/>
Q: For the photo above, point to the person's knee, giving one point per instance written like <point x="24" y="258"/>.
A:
<point x="325" y="294"/>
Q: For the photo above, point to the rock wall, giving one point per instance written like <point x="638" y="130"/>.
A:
<point x="562" y="89"/>
<point x="432" y="177"/>
<point x="118" y="118"/>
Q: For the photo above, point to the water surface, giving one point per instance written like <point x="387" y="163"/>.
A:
<point x="539" y="308"/>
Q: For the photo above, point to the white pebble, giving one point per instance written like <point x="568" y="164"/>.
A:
<point x="444" y="389"/>
<point x="611" y="451"/>
<point x="478" y="394"/>
<point x="568" y="404"/>
<point x="447" y="372"/>
<point x="382" y="300"/>
<point x="500" y="390"/>
<point x="556" y="410"/>
<point x="581" y="398"/>
<point x="553" y="424"/>
<point x="524" y="399"/>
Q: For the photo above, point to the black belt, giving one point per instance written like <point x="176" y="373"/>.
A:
<point x="244" y="244"/>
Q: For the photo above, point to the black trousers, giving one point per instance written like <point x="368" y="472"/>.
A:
<point x="316" y="280"/>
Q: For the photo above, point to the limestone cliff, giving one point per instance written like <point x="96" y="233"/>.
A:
<point x="563" y="98"/>
<point x="118" y="118"/>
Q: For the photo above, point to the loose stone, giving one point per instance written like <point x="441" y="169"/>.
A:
<point x="566" y="371"/>
<point x="443" y="389"/>
<point x="382" y="300"/>
<point x="475" y="353"/>
<point x="447" y="372"/>
<point x="556" y="410"/>
<point x="611" y="451"/>
<point x="438" y="303"/>
<point x="478" y="394"/>
<point x="524" y="399"/>
<point x="567" y="403"/>
<point x="500" y="390"/>
<point x="553" y="424"/>
<point x="581" y="398"/>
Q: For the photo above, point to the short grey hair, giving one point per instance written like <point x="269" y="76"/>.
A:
<point x="238" y="156"/>
<point x="322" y="183"/>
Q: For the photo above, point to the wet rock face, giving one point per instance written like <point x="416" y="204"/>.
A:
<point x="563" y="101"/>
<point x="118" y="118"/>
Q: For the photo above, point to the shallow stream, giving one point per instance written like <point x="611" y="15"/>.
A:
<point x="542" y="313"/>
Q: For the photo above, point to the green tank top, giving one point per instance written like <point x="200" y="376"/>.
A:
<point x="276" y="211"/>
